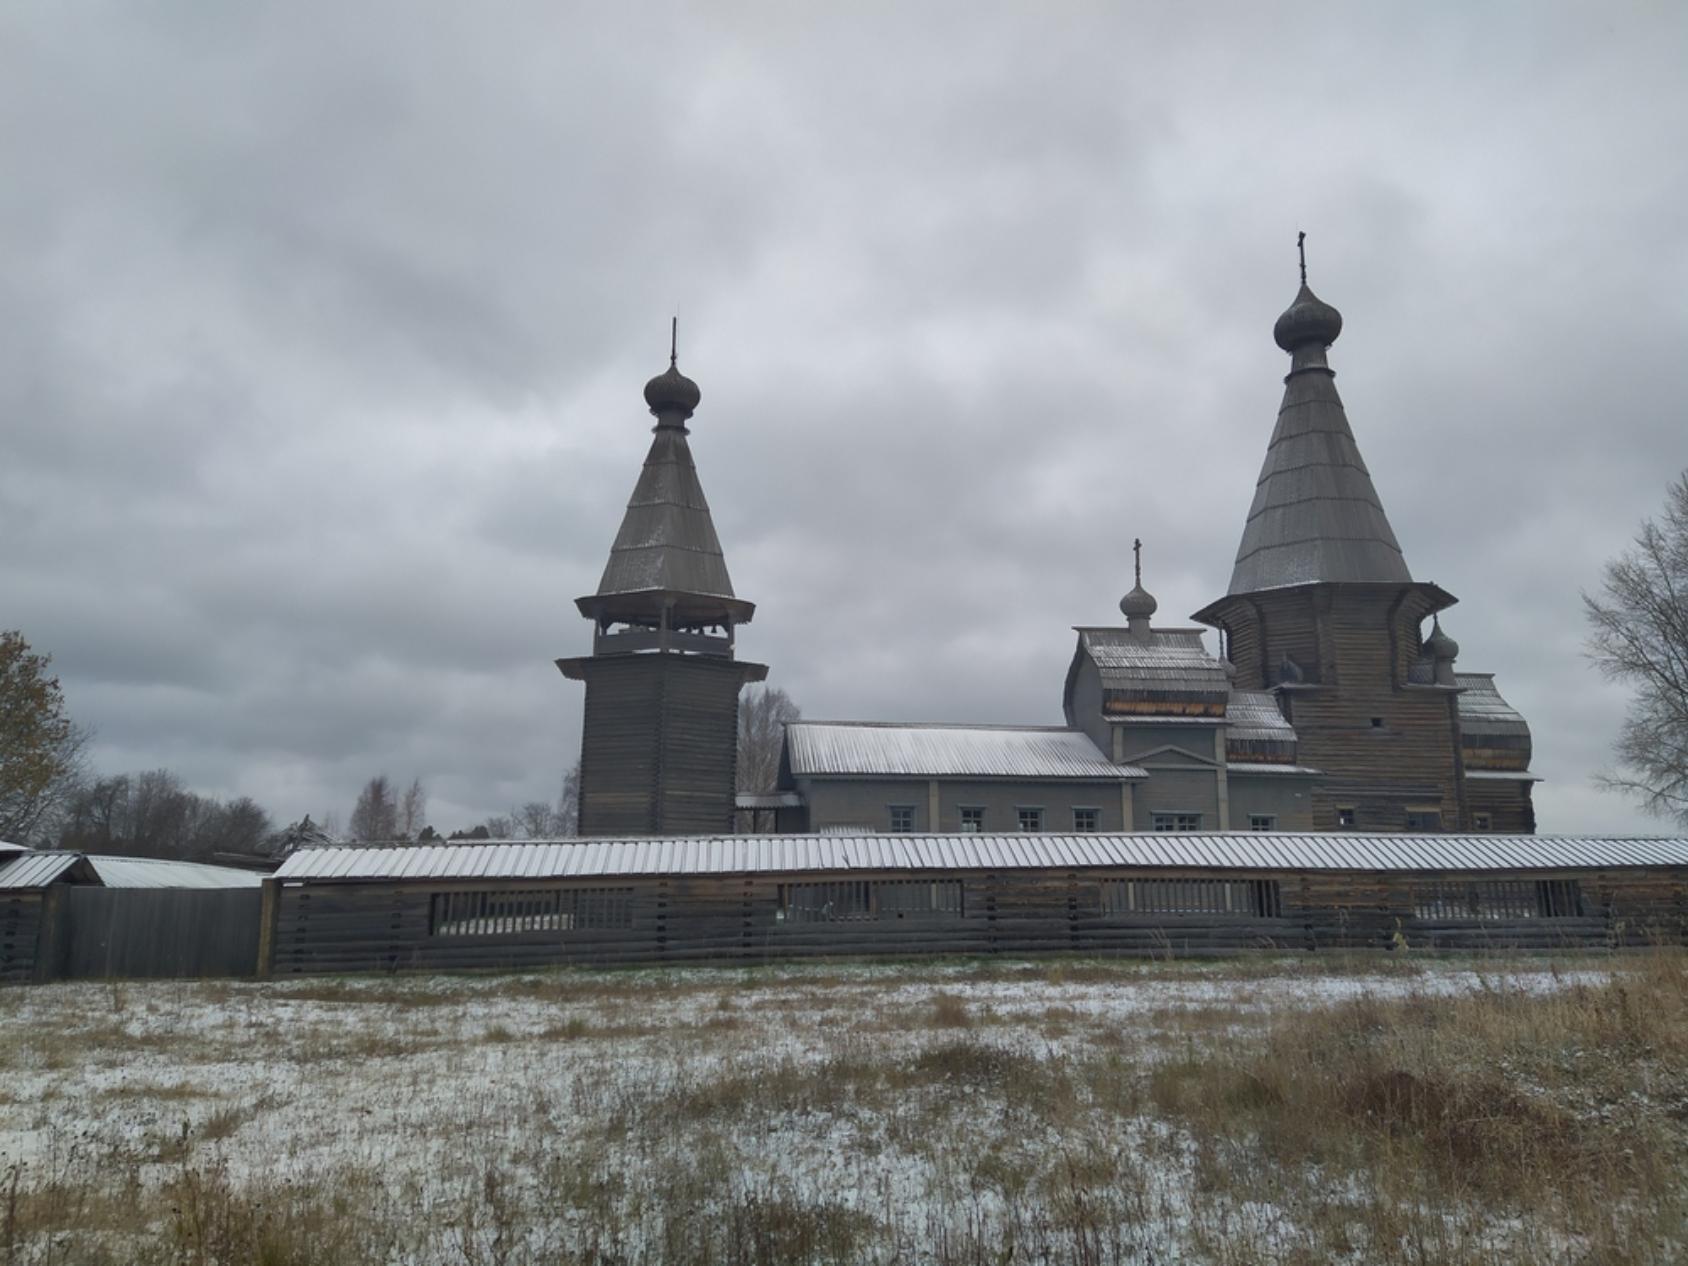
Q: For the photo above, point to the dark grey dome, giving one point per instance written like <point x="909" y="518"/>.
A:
<point x="672" y="392"/>
<point x="1307" y="321"/>
<point x="1439" y="644"/>
<point x="1138" y="604"/>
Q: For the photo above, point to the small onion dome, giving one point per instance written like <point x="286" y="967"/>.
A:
<point x="1139" y="604"/>
<point x="672" y="392"/>
<point x="1308" y="320"/>
<point x="1439" y="644"/>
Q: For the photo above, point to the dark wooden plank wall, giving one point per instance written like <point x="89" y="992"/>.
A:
<point x="20" y="934"/>
<point x="385" y="926"/>
<point x="659" y="745"/>
<point x="105" y="933"/>
<point x="1509" y="804"/>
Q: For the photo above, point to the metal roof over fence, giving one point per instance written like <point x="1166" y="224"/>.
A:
<point x="778" y="854"/>
<point x="35" y="870"/>
<point x="875" y="749"/>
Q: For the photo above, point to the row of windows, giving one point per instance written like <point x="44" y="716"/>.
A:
<point x="510" y="913"/>
<point x="1030" y="818"/>
<point x="1424" y="821"/>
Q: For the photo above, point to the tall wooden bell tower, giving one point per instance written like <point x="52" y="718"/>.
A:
<point x="660" y="740"/>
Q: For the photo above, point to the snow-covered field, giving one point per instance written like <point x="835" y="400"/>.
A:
<point x="934" y="1112"/>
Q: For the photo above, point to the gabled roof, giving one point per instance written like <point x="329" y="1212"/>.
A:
<point x="1316" y="517"/>
<point x="863" y="749"/>
<point x="1482" y="711"/>
<point x="741" y="854"/>
<point x="1171" y="661"/>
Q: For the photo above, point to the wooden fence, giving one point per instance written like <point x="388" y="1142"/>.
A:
<point x="90" y="933"/>
<point x="421" y="925"/>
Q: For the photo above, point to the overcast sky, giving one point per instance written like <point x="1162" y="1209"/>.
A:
<point x="323" y="329"/>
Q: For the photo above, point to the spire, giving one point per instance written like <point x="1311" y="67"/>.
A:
<point x="1316" y="517"/>
<point x="1138" y="605"/>
<point x="666" y="565"/>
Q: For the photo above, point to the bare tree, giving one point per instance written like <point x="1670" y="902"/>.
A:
<point x="762" y="715"/>
<point x="568" y="804"/>
<point x="413" y="810"/>
<point x="375" y="819"/>
<point x="1639" y="635"/>
<point x="538" y="820"/>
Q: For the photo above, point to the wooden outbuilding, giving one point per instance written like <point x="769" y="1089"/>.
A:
<point x="749" y="899"/>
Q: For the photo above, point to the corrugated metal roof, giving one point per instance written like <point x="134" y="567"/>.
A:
<point x="36" y="870"/>
<point x="152" y="872"/>
<point x="1316" y="516"/>
<point x="778" y="854"/>
<point x="1504" y="775"/>
<point x="863" y="749"/>
<point x="1164" y="661"/>
<point x="12" y="848"/>
<point x="1483" y="711"/>
<point x="1234" y="768"/>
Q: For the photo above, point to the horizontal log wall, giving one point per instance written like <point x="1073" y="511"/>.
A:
<point x="20" y="934"/>
<point x="388" y="926"/>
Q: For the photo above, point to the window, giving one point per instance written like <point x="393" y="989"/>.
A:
<point x="1178" y="822"/>
<point x="1347" y="817"/>
<point x="1262" y="822"/>
<point x="902" y="818"/>
<point x="1424" y="819"/>
<point x="972" y="820"/>
<point x="1030" y="818"/>
<point x="1377" y="723"/>
<point x="1240" y="898"/>
<point x="515" y="912"/>
<point x="866" y="900"/>
<point x="1086" y="821"/>
<point x="1482" y="822"/>
<point x="1497" y="899"/>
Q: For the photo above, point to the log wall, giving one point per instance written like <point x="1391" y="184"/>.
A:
<point x="20" y="933"/>
<point x="374" y="926"/>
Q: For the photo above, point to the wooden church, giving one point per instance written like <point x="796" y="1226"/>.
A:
<point x="1328" y="707"/>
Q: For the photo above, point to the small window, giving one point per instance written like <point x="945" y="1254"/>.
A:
<point x="1262" y="822"/>
<point x="1086" y="821"/>
<point x="861" y="900"/>
<point x="972" y="820"/>
<point x="1498" y="899"/>
<point x="1237" y="898"/>
<point x="902" y="818"/>
<point x="1165" y="822"/>
<point x="1482" y="822"/>
<point x="1030" y="818"/>
<point x="1424" y="819"/>
<point x="518" y="912"/>
<point x="1377" y="723"/>
<point x="1347" y="817"/>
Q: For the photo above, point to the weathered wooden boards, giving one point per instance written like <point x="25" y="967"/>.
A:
<point x="419" y="925"/>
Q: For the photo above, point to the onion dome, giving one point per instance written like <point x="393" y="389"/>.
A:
<point x="1439" y="644"/>
<point x="672" y="393"/>
<point x="1309" y="320"/>
<point x="1138" y="604"/>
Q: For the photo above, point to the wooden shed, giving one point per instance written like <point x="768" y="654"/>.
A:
<point x="736" y="899"/>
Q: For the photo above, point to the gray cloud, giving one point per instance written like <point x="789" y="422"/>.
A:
<point x="326" y="329"/>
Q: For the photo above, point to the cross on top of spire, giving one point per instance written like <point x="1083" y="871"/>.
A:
<point x="1301" y="249"/>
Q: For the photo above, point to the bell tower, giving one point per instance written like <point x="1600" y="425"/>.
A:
<point x="659" y="744"/>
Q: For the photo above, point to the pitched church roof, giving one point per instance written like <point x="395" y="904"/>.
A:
<point x="667" y="552"/>
<point x="889" y="749"/>
<point x="1316" y="517"/>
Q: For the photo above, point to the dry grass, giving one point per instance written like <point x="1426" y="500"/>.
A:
<point x="981" y="1112"/>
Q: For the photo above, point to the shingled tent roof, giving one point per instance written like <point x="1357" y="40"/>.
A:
<point x="667" y="552"/>
<point x="1316" y="517"/>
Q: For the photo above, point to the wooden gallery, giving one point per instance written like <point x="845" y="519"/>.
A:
<point x="1327" y="778"/>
